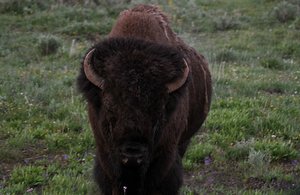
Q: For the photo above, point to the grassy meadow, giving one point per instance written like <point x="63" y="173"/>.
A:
<point x="250" y="143"/>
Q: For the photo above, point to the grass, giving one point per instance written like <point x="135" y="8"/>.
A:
<point x="249" y="143"/>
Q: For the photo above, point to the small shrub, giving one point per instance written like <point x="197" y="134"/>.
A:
<point x="295" y="2"/>
<point x="277" y="174"/>
<point x="240" y="150"/>
<point x="18" y="188"/>
<point x="191" y="18"/>
<point x="227" y="55"/>
<point x="226" y="22"/>
<point x="272" y="63"/>
<point x="87" y="28"/>
<point x="259" y="162"/>
<point x="22" y="7"/>
<point x="29" y="175"/>
<point x="74" y="2"/>
<point x="237" y="153"/>
<point x="296" y="24"/>
<point x="66" y="184"/>
<point x="48" y="45"/>
<point x="289" y="49"/>
<point x="39" y="133"/>
<point x="279" y="151"/>
<point x="272" y="121"/>
<point x="187" y="164"/>
<point x="58" y="141"/>
<point x="285" y="12"/>
<point x="186" y="191"/>
<point x="10" y="154"/>
<point x="198" y="152"/>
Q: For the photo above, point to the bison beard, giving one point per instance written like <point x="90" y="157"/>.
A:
<point x="147" y="94"/>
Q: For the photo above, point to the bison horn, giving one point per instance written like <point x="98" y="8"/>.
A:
<point x="179" y="82"/>
<point x="90" y="73"/>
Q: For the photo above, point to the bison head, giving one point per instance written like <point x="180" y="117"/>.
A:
<point x="133" y="86"/>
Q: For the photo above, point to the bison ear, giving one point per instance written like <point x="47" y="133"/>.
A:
<point x="90" y="73"/>
<point x="179" y="81"/>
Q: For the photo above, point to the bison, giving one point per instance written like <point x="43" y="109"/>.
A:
<point x="147" y="94"/>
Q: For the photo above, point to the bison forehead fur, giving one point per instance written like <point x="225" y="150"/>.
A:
<point x="147" y="93"/>
<point x="126" y="62"/>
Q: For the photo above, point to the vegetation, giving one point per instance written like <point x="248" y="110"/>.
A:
<point x="250" y="143"/>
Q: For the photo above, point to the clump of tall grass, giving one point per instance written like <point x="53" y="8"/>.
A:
<point x="296" y="24"/>
<point x="226" y="55"/>
<point x="48" y="45"/>
<point x="279" y="151"/>
<point x="21" y="7"/>
<point x="272" y="63"/>
<point x="198" y="152"/>
<point x="26" y="177"/>
<point x="259" y="162"/>
<point x="285" y="11"/>
<point x="240" y="150"/>
<point x="226" y="22"/>
<point x="190" y="17"/>
<point x="295" y="2"/>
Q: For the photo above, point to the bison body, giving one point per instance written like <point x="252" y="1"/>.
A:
<point x="147" y="93"/>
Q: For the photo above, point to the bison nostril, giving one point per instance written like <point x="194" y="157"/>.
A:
<point x="139" y="161"/>
<point x="125" y="160"/>
<point x="133" y="154"/>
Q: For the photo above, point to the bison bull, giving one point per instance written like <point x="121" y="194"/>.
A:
<point x="147" y="93"/>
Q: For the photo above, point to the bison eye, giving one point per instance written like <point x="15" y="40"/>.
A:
<point x="106" y="128"/>
<point x="109" y="125"/>
<point x="113" y="121"/>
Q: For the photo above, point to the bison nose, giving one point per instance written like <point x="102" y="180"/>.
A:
<point x="133" y="154"/>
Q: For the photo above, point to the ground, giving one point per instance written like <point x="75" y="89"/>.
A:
<point x="249" y="143"/>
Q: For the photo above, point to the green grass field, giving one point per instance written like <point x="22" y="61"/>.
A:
<point x="250" y="143"/>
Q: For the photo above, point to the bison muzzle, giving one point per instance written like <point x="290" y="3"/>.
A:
<point x="147" y="94"/>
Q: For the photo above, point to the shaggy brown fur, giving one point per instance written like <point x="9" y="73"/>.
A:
<point x="134" y="110"/>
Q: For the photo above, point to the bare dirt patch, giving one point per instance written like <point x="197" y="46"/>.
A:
<point x="211" y="177"/>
